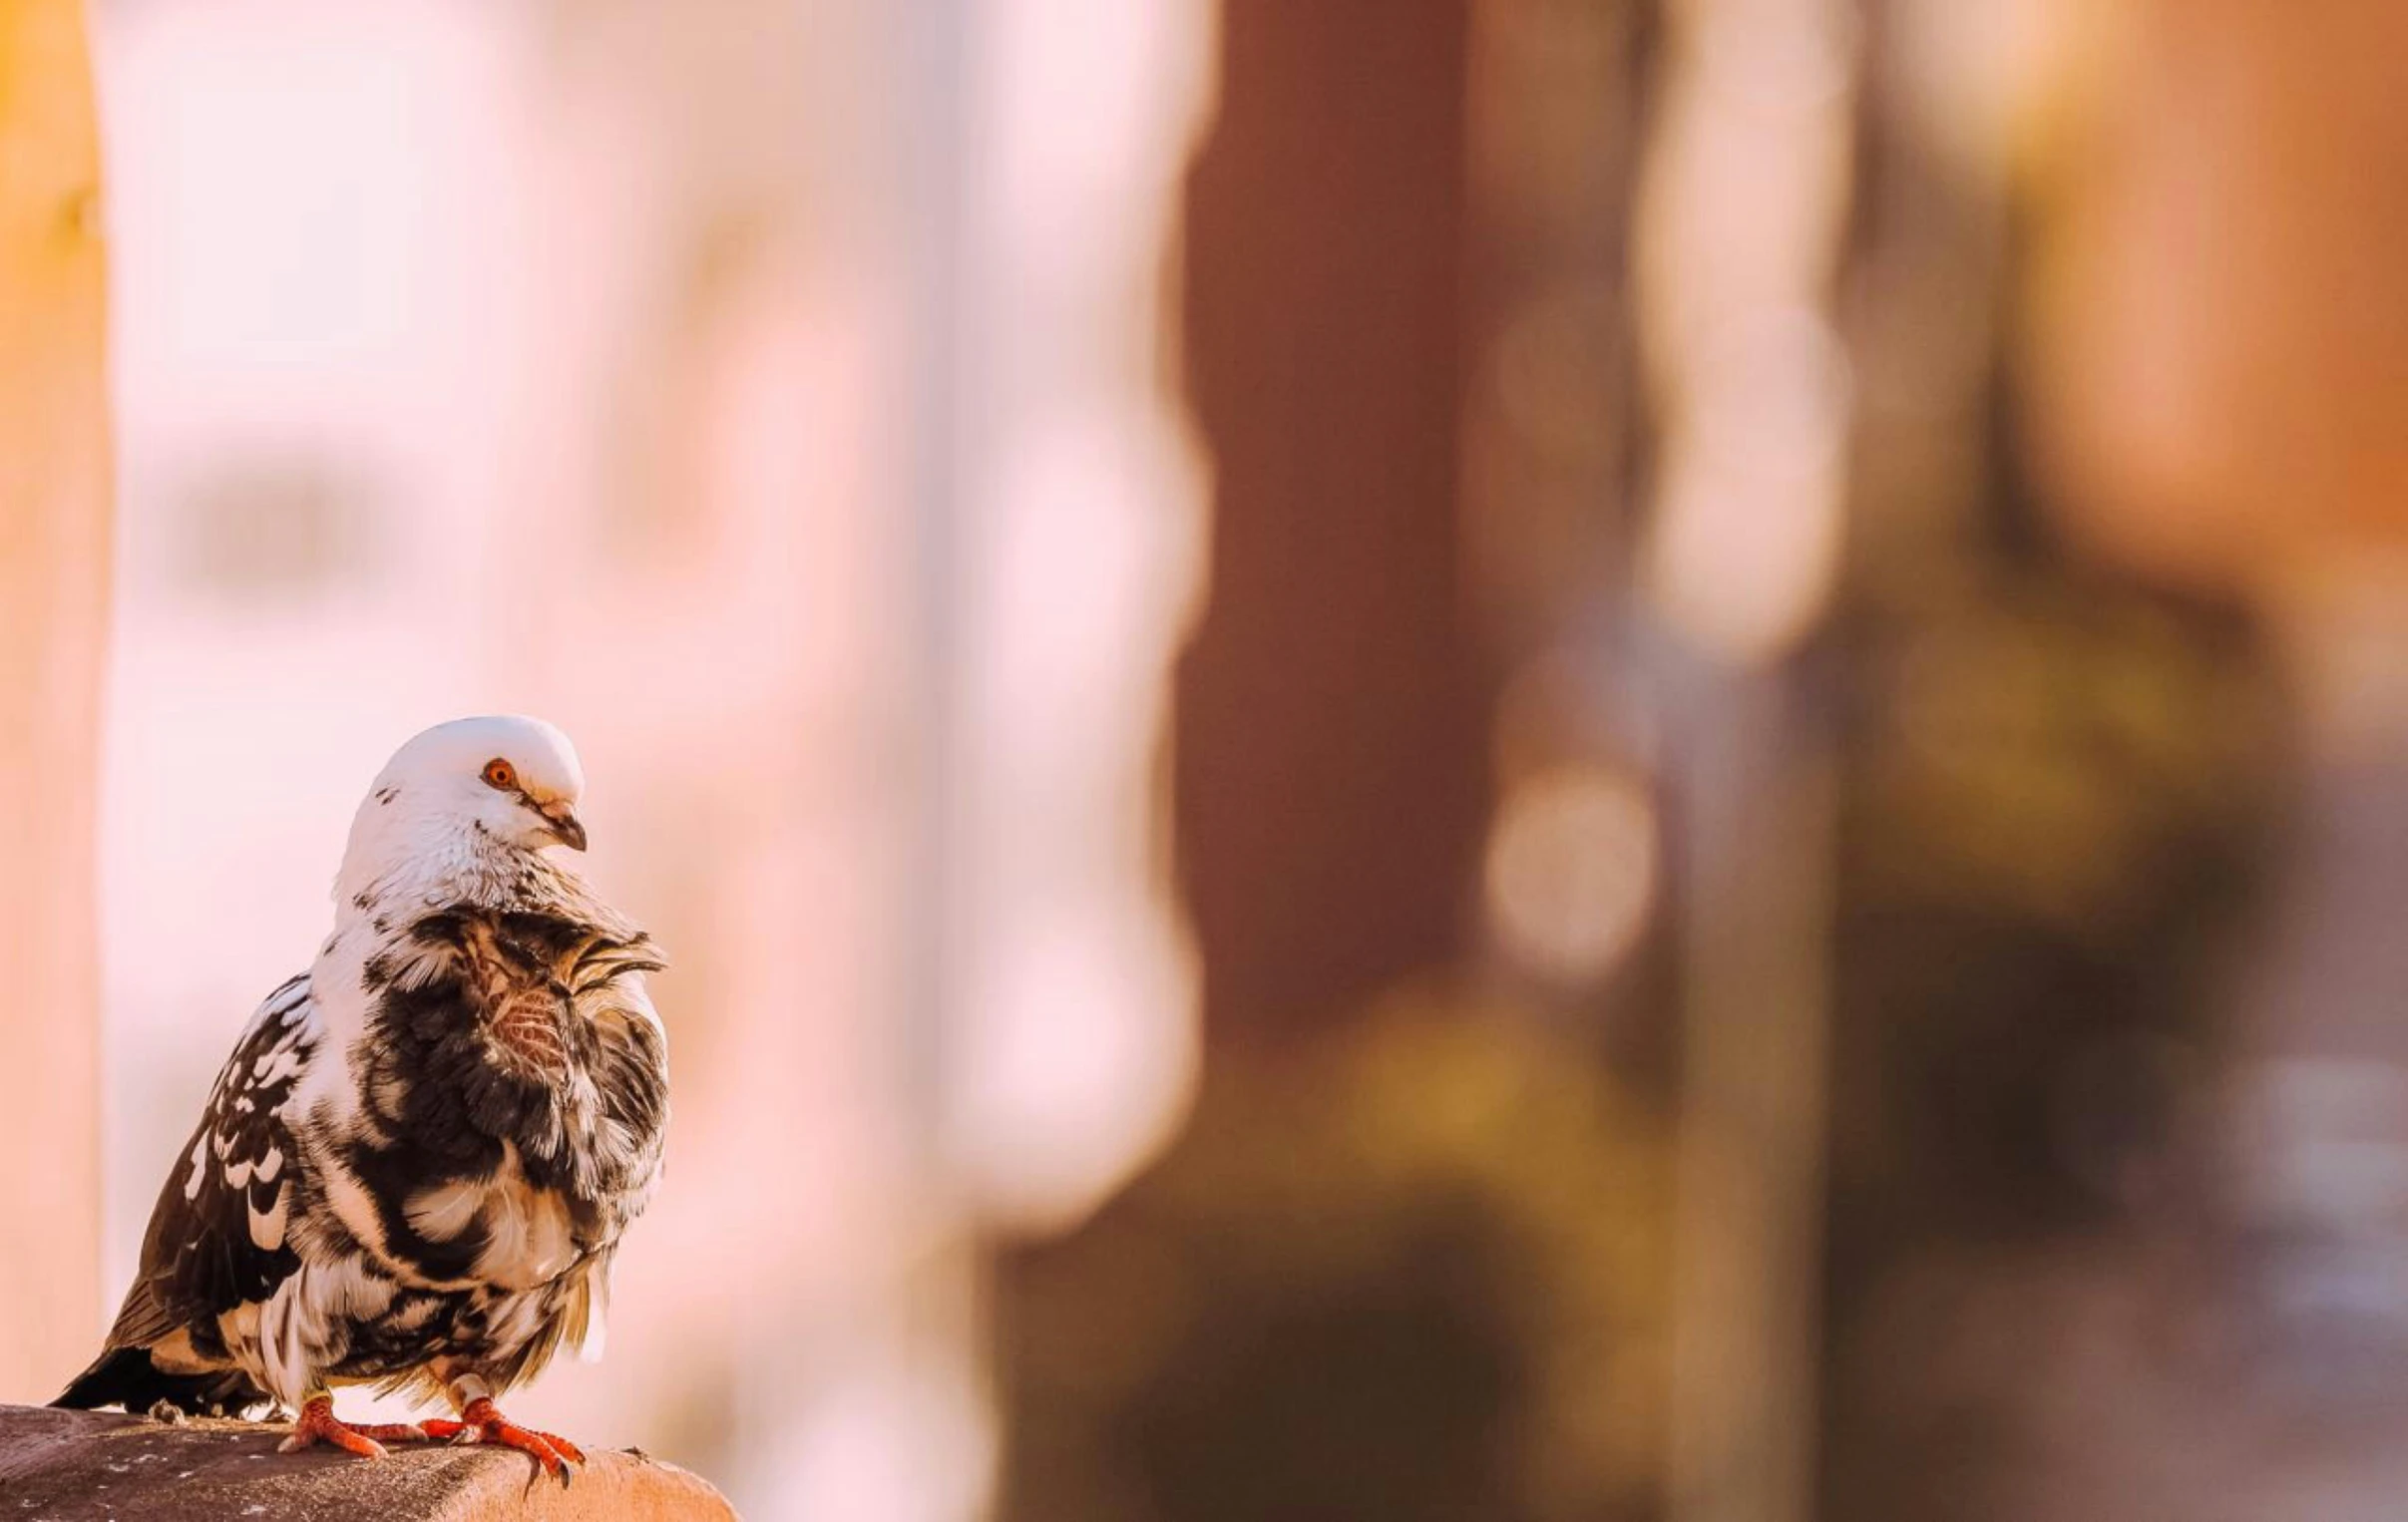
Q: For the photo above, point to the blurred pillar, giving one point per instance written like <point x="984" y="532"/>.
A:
<point x="1754" y="818"/>
<point x="1062" y="565"/>
<point x="54" y="556"/>
<point x="1330" y="752"/>
<point x="1744" y="212"/>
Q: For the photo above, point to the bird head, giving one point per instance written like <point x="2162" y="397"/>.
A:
<point x="461" y="790"/>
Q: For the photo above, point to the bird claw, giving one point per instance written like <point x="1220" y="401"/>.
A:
<point x="481" y="1423"/>
<point x="318" y="1424"/>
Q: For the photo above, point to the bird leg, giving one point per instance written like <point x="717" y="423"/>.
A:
<point x="479" y="1423"/>
<point x="319" y="1425"/>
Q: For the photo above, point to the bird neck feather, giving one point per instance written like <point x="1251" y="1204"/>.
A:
<point x="397" y="855"/>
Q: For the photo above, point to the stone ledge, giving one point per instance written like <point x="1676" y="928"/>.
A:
<point x="101" y="1466"/>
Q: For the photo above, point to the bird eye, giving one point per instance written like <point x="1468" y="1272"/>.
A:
<point x="500" y="774"/>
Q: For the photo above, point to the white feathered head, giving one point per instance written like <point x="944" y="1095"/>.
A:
<point x="460" y="791"/>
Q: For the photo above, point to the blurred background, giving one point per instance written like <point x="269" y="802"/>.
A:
<point x="1542" y="759"/>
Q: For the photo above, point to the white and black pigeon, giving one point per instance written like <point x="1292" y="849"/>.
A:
<point x="415" y="1168"/>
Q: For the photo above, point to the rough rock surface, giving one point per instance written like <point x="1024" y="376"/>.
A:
<point x="93" y="1467"/>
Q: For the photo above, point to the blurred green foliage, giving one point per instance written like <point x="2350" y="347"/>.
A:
<point x="1418" y="1272"/>
<point x="2082" y="762"/>
<point x="2061" y="794"/>
<point x="2058" y="796"/>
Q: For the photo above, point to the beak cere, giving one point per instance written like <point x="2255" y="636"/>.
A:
<point x="565" y="826"/>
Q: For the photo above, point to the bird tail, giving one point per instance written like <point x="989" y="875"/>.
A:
<point x="125" y="1376"/>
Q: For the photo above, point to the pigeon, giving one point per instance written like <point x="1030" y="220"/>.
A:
<point x="415" y="1168"/>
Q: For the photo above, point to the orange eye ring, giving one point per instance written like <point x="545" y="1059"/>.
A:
<point x="501" y="775"/>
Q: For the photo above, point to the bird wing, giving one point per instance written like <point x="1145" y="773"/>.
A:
<point x="217" y="1238"/>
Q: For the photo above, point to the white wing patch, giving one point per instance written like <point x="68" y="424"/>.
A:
<point x="281" y="1063"/>
<point x="268" y="1227"/>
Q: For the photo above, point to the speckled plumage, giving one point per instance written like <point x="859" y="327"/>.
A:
<point x="417" y="1164"/>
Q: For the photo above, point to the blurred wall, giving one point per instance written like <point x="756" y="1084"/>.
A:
<point x="2220" y="314"/>
<point x="54" y="560"/>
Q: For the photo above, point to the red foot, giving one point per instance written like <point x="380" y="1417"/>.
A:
<point x="480" y="1424"/>
<point x="318" y="1424"/>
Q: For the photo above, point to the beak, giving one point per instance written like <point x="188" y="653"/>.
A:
<point x="565" y="826"/>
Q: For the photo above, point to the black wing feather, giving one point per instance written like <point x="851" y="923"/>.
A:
<point x="199" y="1258"/>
